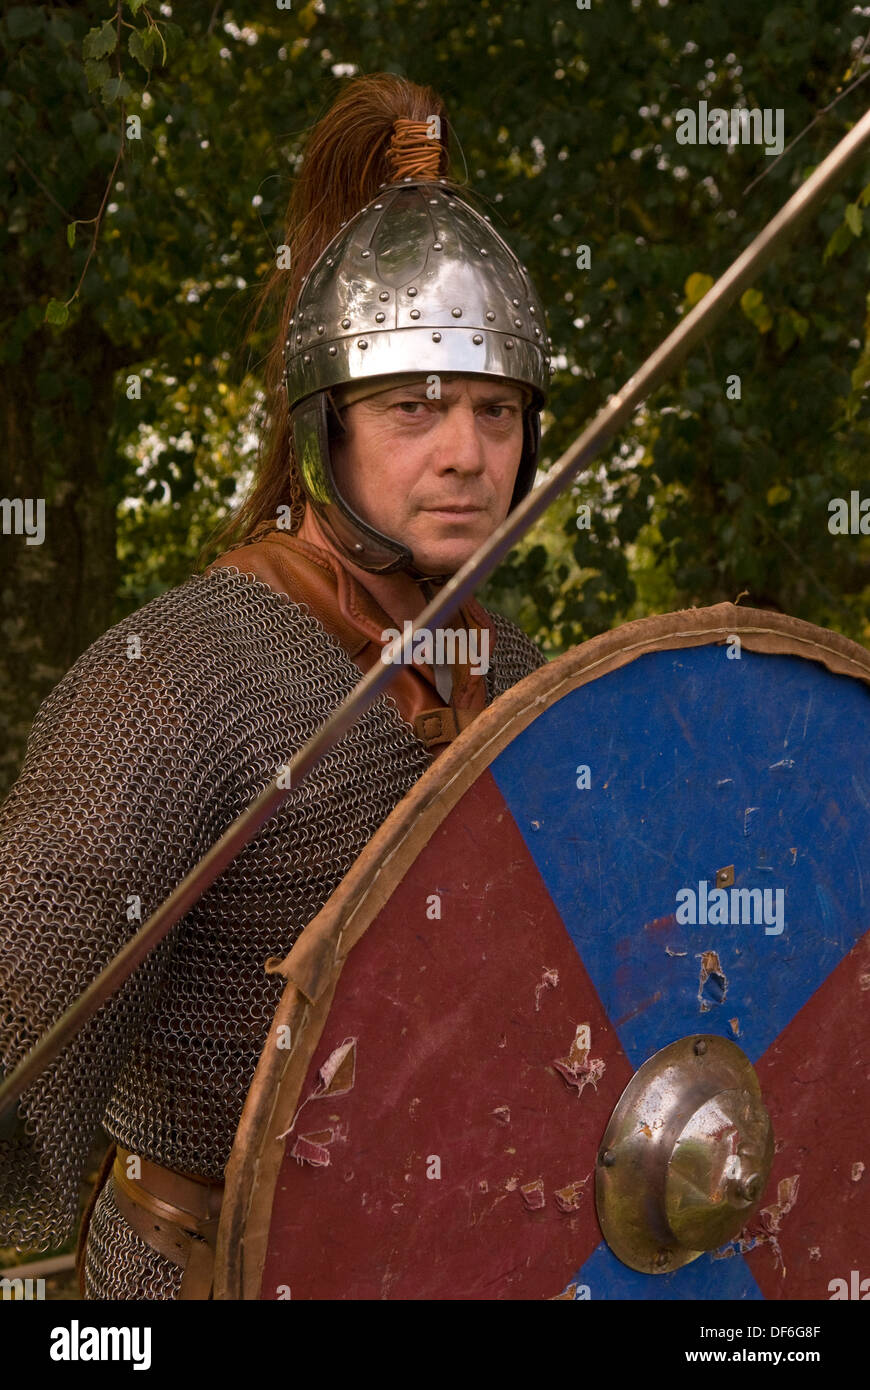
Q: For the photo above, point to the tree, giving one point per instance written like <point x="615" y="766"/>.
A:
<point x="149" y="161"/>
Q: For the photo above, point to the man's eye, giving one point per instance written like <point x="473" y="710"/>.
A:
<point x="506" y="411"/>
<point x="408" y="406"/>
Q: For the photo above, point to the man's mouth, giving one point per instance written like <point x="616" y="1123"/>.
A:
<point x="453" y="509"/>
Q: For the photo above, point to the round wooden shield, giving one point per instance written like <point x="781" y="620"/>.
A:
<point x="533" y="922"/>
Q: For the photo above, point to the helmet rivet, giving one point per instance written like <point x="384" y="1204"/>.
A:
<point x="345" y="323"/>
<point x="357" y="545"/>
<point x="508" y="342"/>
<point x="307" y="358"/>
<point x="442" y="180"/>
<point x="516" y="303"/>
<point x="289" y="321"/>
<point x="518" y="323"/>
<point x="362" y="342"/>
<point x="384" y="295"/>
<point x="333" y="351"/>
<point x="433" y="202"/>
<point x="365" y="254"/>
<point x="329" y="260"/>
<point x="457" y="313"/>
<point x="537" y="332"/>
<point x="436" y="246"/>
<point x="490" y="315"/>
<point x="412" y="292"/>
<point x="486" y="217"/>
<point x="478" y="338"/>
<point x="483" y="251"/>
<point x="449" y="204"/>
<point x="320" y="328"/>
<point x="299" y="337"/>
<point x="552" y="371"/>
<point x="415" y="313"/>
<point x="407" y="178"/>
<point x="436" y="337"/>
<point x="531" y="308"/>
<point x="379" y="206"/>
<point x="380" y="316"/>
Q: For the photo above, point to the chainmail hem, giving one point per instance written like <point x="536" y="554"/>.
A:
<point x="119" y="1264"/>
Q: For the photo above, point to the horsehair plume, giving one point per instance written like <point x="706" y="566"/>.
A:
<point x="378" y="130"/>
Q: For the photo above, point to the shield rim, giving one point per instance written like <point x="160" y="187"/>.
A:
<point x="312" y="969"/>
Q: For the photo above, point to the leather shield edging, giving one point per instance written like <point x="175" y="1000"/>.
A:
<point x="250" y="1155"/>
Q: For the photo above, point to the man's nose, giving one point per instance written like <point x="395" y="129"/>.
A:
<point x="460" y="446"/>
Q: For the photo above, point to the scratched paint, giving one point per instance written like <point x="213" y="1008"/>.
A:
<point x="674" y="811"/>
<point x="712" y="982"/>
<point x="578" y="1068"/>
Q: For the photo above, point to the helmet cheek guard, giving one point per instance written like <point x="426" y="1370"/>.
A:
<point x="367" y="547"/>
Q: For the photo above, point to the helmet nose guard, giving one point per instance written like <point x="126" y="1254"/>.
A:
<point x="417" y="281"/>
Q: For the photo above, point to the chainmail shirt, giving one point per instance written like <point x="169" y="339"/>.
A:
<point x="158" y="737"/>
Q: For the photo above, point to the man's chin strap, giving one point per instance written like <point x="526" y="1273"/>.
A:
<point x="347" y="552"/>
<point x="430" y="587"/>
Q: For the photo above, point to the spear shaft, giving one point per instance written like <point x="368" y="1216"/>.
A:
<point x="618" y="410"/>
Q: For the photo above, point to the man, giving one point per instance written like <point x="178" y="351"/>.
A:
<point x="415" y="370"/>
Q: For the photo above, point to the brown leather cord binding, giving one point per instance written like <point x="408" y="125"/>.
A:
<point x="413" y="151"/>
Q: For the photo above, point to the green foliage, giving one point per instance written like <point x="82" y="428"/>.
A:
<point x="138" y="256"/>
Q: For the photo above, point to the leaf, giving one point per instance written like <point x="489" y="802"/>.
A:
<point x="308" y="16"/>
<point x="696" y="287"/>
<point x="854" y="219"/>
<point x="861" y="373"/>
<point x="71" y="234"/>
<point x="97" y="72"/>
<point x="115" y="88"/>
<point x="152" y="40"/>
<point x="139" y="50"/>
<point x="839" y="241"/>
<point x="753" y="305"/>
<point x="55" y="312"/>
<point x="778" y="493"/>
<point x="98" y="42"/>
<point x="176" y="38"/>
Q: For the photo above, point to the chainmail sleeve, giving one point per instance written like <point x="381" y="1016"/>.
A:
<point x="108" y="813"/>
<point x="518" y="656"/>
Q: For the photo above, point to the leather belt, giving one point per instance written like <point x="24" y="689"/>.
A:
<point x="175" y="1213"/>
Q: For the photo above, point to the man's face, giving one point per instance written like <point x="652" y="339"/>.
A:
<point x="437" y="475"/>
